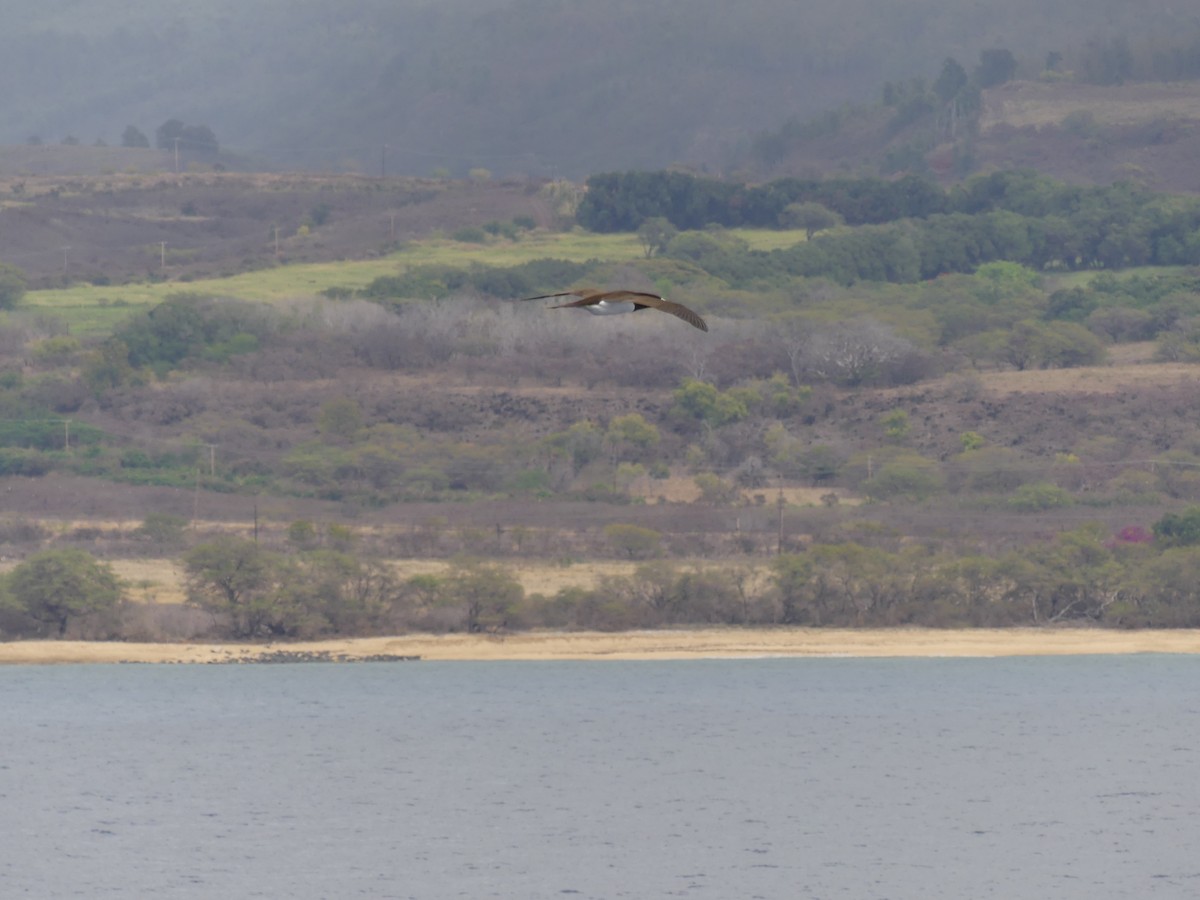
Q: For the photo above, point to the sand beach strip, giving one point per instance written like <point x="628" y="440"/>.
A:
<point x="714" y="643"/>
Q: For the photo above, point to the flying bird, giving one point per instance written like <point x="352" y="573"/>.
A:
<point x="611" y="303"/>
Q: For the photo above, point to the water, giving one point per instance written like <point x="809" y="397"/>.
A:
<point x="1018" y="778"/>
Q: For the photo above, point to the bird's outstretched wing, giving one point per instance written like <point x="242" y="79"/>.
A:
<point x="654" y="301"/>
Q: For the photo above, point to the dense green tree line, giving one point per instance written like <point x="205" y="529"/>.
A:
<point x="190" y="325"/>
<point x="1084" y="575"/>
<point x="618" y="201"/>
<point x="248" y="591"/>
<point x="910" y="229"/>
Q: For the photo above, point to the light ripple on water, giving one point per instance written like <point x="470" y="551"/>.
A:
<point x="1034" y="777"/>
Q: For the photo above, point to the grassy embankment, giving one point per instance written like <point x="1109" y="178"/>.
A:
<point x="92" y="310"/>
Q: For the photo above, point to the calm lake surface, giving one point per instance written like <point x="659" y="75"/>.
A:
<point x="1072" y="777"/>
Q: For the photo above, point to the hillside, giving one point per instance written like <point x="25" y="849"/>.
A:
<point x="118" y="227"/>
<point x="388" y="433"/>
<point x="1148" y="133"/>
<point x="546" y="88"/>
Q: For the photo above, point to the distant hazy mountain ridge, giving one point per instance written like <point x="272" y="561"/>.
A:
<point x="541" y="87"/>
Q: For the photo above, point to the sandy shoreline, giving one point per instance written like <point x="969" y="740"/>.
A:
<point x="677" y="644"/>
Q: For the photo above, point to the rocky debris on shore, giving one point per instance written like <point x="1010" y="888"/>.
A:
<point x="291" y="656"/>
<point x="313" y="656"/>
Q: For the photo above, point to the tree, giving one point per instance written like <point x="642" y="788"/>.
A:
<point x="701" y="402"/>
<point x="1067" y="345"/>
<point x="1073" y="578"/>
<point x="339" y="419"/>
<point x="1039" y="496"/>
<point x="791" y="574"/>
<point x="633" y="541"/>
<point x="998" y="470"/>
<point x="632" y="435"/>
<point x="896" y="426"/>
<point x="486" y="594"/>
<point x="1107" y="63"/>
<point x="582" y="443"/>
<point x="12" y="286"/>
<point x="715" y="490"/>
<point x="812" y="217"/>
<point x="333" y="591"/>
<point x="199" y="139"/>
<point x="174" y="134"/>
<point x="820" y="462"/>
<point x="234" y="579"/>
<point x="57" y="586"/>
<point x="909" y="475"/>
<point x="1179" y="529"/>
<point x="1166" y="591"/>
<point x="654" y="234"/>
<point x="995" y="67"/>
<point x="168" y="133"/>
<point x="853" y="352"/>
<point x="163" y="529"/>
<point x="132" y="136"/>
<point x="951" y="81"/>
<point x="108" y="367"/>
<point x="1049" y="345"/>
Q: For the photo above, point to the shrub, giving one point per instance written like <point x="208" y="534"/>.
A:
<point x="302" y="533"/>
<point x="1179" y="529"/>
<point x="470" y="234"/>
<point x="909" y="476"/>
<point x="1039" y="496"/>
<point x="633" y="541"/>
<point x="163" y="529"/>
<point x="716" y="490"/>
<point x="12" y="286"/>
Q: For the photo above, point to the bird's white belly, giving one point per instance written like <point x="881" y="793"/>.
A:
<point x="610" y="308"/>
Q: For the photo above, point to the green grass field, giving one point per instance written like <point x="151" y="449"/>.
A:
<point x="94" y="310"/>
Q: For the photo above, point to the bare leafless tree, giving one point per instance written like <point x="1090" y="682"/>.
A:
<point x="852" y="352"/>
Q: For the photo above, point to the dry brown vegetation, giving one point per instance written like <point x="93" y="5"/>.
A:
<point x="216" y="224"/>
<point x="1023" y="103"/>
<point x="162" y="581"/>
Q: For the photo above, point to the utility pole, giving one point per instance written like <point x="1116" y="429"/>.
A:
<point x="212" y="460"/>
<point x="176" y="156"/>
<point x="779" y="503"/>
<point x="196" y="499"/>
<point x="162" y="254"/>
<point x="66" y="434"/>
